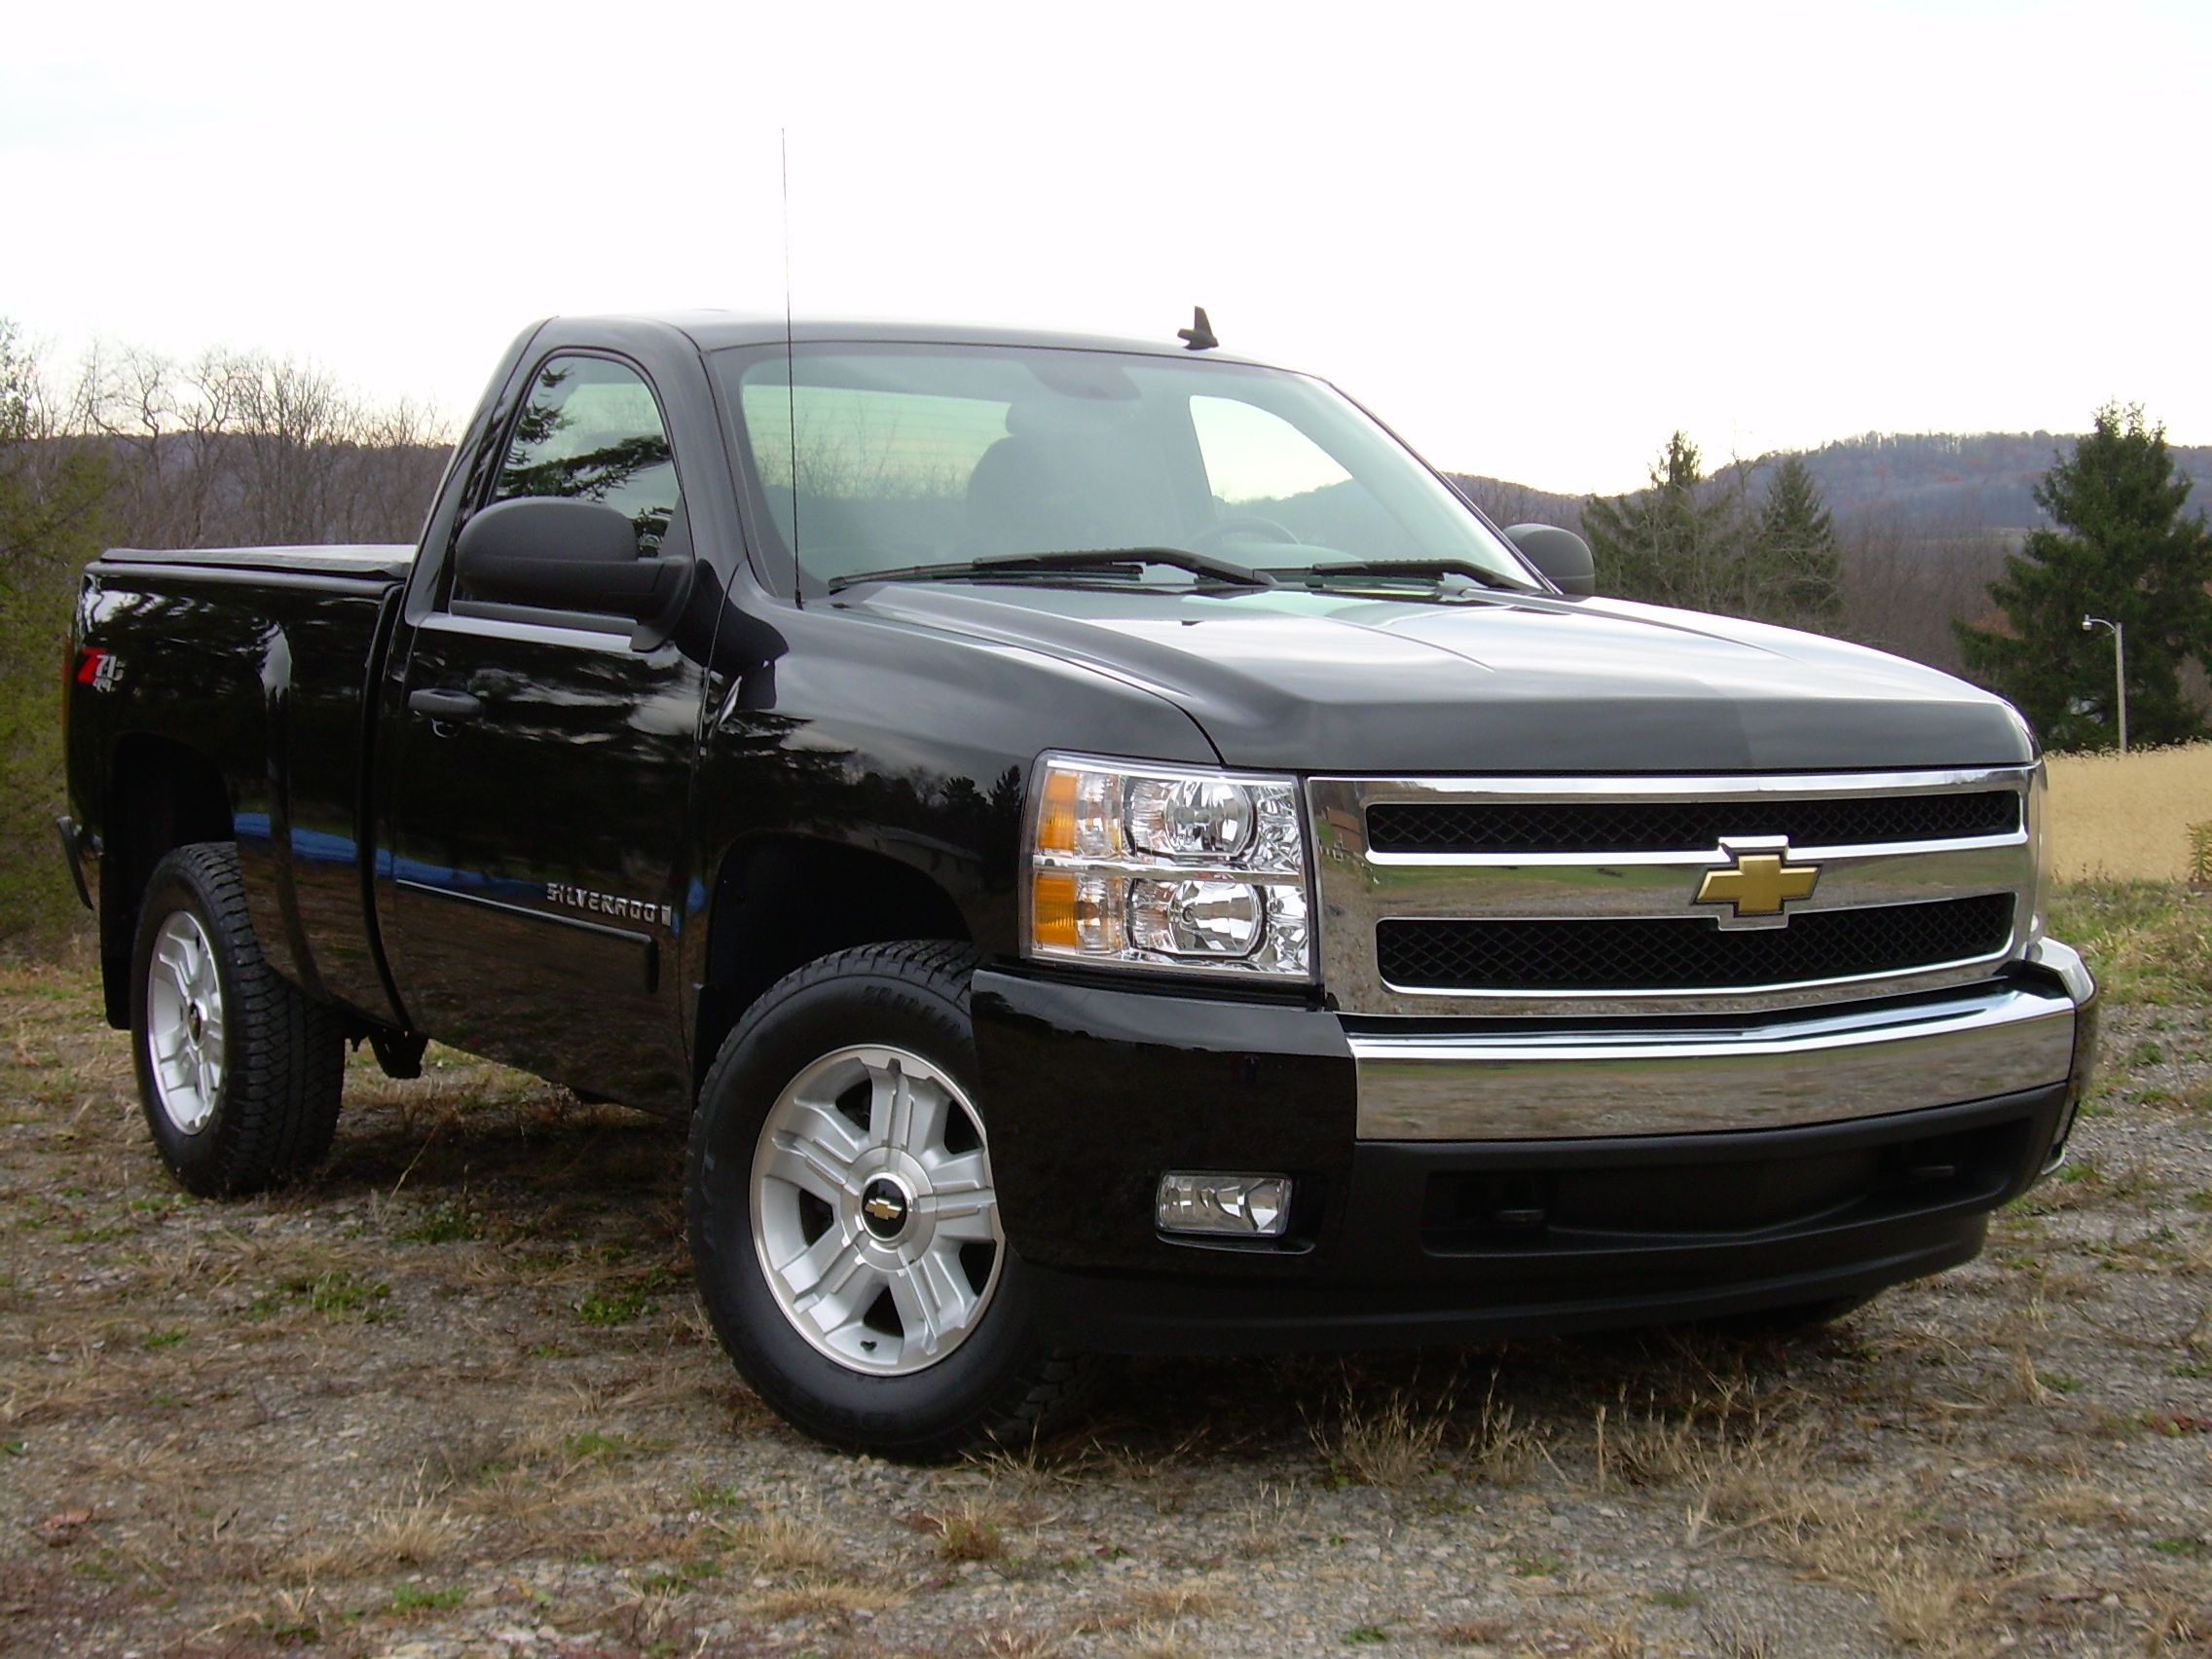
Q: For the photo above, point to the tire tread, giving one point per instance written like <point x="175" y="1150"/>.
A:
<point x="283" y="1054"/>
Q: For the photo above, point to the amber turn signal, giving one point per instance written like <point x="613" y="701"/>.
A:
<point x="1052" y="908"/>
<point x="1055" y="817"/>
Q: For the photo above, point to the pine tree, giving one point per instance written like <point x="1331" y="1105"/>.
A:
<point x="1681" y="542"/>
<point x="1794" y="574"/>
<point x="2118" y="547"/>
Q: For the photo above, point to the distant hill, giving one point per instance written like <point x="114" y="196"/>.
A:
<point x="1510" y="503"/>
<point x="1932" y="484"/>
<point x="1924" y="521"/>
<point x="1946" y="483"/>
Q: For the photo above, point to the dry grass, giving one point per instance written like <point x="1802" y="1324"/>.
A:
<point x="1013" y="1640"/>
<point x="1149" y="1617"/>
<point x="1883" y="1541"/>
<point x="413" y="1534"/>
<point x="2178" y="1625"/>
<point x="1613" y="1639"/>
<point x="1746" y="1461"/>
<point x="1475" y="1632"/>
<point x="1263" y="1522"/>
<point x="1169" y="1603"/>
<point x="1157" y="1642"/>
<point x="1921" y="1605"/>
<point x="2076" y="1503"/>
<point x="1154" y="1609"/>
<point x="1734" y="1637"/>
<point x="971" y="1529"/>
<point x="1505" y="1449"/>
<point x="2128" y="817"/>
<point x="786" y="1543"/>
<point x="819" y="1598"/>
<point x="1389" y="1443"/>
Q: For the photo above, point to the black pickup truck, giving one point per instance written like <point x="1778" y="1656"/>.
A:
<point x="1109" y="851"/>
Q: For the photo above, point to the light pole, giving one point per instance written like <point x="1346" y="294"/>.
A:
<point x="2118" y="668"/>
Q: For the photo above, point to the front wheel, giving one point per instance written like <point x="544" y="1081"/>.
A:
<point x="843" y="1219"/>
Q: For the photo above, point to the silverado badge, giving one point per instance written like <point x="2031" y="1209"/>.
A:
<point x="609" y="903"/>
<point x="1759" y="882"/>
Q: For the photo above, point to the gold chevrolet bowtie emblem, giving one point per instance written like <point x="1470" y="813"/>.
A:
<point x="1758" y="884"/>
<point x="884" y="1209"/>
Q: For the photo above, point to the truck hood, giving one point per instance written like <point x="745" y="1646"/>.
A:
<point x="1301" y="680"/>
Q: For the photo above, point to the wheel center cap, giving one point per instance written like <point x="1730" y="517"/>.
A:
<point x="885" y="1207"/>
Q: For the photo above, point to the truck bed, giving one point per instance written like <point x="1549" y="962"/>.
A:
<point x="366" y="560"/>
<point x="258" y="662"/>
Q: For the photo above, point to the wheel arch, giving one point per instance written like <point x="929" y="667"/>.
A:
<point x="161" y="794"/>
<point x="779" y="901"/>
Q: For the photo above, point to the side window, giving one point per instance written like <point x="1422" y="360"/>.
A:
<point x="592" y="430"/>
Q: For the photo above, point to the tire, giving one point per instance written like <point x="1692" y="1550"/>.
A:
<point x="843" y="1226"/>
<point x="239" y="1071"/>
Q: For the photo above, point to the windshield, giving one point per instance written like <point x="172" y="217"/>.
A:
<point x="919" y="456"/>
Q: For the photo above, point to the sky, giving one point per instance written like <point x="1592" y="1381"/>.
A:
<point x="1534" y="240"/>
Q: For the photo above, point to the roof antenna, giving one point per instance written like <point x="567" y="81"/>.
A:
<point x="1199" y="337"/>
<point x="790" y="372"/>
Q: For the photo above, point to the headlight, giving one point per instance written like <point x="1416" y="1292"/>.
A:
<point x="1154" y="866"/>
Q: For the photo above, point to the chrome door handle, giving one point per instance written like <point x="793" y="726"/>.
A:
<point x="445" y="705"/>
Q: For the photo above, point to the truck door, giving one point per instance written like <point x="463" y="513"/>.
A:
<point x="540" y="778"/>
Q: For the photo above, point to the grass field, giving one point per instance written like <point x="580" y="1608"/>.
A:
<point x="2128" y="817"/>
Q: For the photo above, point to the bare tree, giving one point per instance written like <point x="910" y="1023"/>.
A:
<point x="246" y="447"/>
<point x="1904" y="585"/>
<point x="131" y="397"/>
<point x="295" y="426"/>
<point x="1509" y="504"/>
<point x="401" y="452"/>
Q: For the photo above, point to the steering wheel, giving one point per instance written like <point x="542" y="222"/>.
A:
<point x="1252" y="526"/>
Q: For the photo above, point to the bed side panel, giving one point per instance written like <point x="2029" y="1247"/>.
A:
<point x="263" y="675"/>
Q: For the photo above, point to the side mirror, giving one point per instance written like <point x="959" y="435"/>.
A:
<point x="560" y="554"/>
<point x="1563" y="556"/>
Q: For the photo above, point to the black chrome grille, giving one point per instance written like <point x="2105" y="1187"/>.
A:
<point x="1689" y="952"/>
<point x="1687" y="826"/>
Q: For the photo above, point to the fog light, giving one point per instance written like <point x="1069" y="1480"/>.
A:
<point x="1242" y="1207"/>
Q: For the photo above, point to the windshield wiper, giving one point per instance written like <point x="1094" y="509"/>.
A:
<point x="1412" y="569"/>
<point x="1078" y="561"/>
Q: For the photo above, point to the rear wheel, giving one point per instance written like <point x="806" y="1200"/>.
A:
<point x="843" y="1220"/>
<point x="239" y="1070"/>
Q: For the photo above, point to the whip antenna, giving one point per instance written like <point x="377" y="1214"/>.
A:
<point x="790" y="370"/>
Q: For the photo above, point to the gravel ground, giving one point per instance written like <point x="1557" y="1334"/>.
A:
<point x="453" y="1397"/>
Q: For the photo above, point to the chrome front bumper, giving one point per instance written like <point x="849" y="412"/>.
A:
<point x="1839" y="1063"/>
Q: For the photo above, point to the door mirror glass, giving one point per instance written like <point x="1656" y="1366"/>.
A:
<point x="1563" y="556"/>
